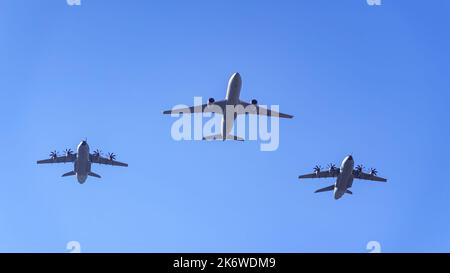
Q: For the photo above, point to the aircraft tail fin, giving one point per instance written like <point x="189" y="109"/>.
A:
<point x="329" y="188"/>
<point x="94" y="175"/>
<point x="220" y="137"/>
<point x="69" y="174"/>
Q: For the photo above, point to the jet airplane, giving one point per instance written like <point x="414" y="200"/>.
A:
<point x="232" y="98"/>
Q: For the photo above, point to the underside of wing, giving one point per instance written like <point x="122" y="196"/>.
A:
<point x="59" y="159"/>
<point x="258" y="110"/>
<point x="321" y="174"/>
<point x="106" y="161"/>
<point x="368" y="176"/>
<point x="216" y="107"/>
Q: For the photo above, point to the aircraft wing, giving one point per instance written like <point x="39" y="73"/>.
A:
<point x="106" y="161"/>
<point x="59" y="159"/>
<point x="321" y="174"/>
<point x="216" y="107"/>
<point x="368" y="176"/>
<point x="255" y="109"/>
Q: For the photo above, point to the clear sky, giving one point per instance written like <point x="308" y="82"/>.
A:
<point x="371" y="81"/>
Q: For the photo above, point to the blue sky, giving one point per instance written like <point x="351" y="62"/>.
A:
<point x="371" y="81"/>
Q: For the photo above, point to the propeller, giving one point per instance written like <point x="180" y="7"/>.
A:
<point x="111" y="156"/>
<point x="68" y="152"/>
<point x="317" y="169"/>
<point x="97" y="153"/>
<point x="359" y="168"/>
<point x="53" y="155"/>
<point x="373" y="171"/>
<point x="332" y="167"/>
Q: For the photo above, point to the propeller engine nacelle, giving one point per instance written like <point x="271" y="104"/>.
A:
<point x="211" y="101"/>
<point x="317" y="169"/>
<point x="111" y="156"/>
<point x="373" y="172"/>
<point x="332" y="168"/>
<point x="359" y="168"/>
<point x="53" y="155"/>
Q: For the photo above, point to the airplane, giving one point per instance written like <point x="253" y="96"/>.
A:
<point x="232" y="98"/>
<point x="82" y="160"/>
<point x="345" y="175"/>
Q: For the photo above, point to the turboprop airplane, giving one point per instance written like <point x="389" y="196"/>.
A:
<point x="82" y="161"/>
<point x="345" y="176"/>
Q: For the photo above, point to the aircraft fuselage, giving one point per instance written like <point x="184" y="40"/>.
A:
<point x="345" y="179"/>
<point x="82" y="165"/>
<point x="232" y="99"/>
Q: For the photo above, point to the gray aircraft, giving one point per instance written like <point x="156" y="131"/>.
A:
<point x="232" y="98"/>
<point x="345" y="175"/>
<point x="82" y="161"/>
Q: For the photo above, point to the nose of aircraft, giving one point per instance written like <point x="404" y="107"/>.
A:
<point x="237" y="77"/>
<point x="337" y="195"/>
<point x="84" y="143"/>
<point x="350" y="157"/>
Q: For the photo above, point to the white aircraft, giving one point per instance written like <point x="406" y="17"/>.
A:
<point x="345" y="175"/>
<point x="82" y="161"/>
<point x="231" y="99"/>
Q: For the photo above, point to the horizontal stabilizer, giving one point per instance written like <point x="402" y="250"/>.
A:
<point x="329" y="188"/>
<point x="94" y="175"/>
<point x="214" y="137"/>
<point x="349" y="192"/>
<point x="69" y="174"/>
<point x="231" y="137"/>
<point x="220" y="137"/>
